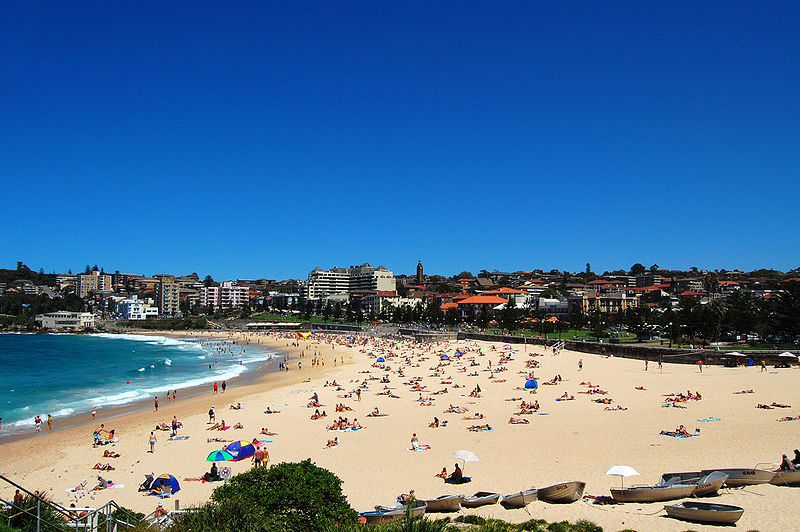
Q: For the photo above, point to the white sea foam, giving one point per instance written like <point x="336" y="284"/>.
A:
<point x="167" y="362"/>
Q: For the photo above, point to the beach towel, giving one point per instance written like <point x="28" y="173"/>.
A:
<point x="334" y="447"/>
<point x="265" y="441"/>
<point x="421" y="447"/>
<point x="709" y="419"/>
<point x="682" y="437"/>
<point x="115" y="486"/>
<point x="462" y="480"/>
<point x="177" y="438"/>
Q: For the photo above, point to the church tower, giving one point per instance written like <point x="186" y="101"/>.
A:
<point x="419" y="272"/>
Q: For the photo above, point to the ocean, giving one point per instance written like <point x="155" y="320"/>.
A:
<point x="66" y="374"/>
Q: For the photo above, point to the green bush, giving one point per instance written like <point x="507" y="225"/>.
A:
<point x="287" y="496"/>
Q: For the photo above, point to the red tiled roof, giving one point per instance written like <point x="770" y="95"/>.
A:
<point x="385" y="293"/>
<point x="690" y="293"/>
<point x="504" y="290"/>
<point x="600" y="281"/>
<point x="483" y="300"/>
<point x="446" y="306"/>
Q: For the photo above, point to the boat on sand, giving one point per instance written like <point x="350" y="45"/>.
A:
<point x="653" y="493"/>
<point x="480" y="498"/>
<point x="387" y="514"/>
<point x="704" y="512"/>
<point x="563" y="493"/>
<point x="444" y="503"/>
<point x="519" y="499"/>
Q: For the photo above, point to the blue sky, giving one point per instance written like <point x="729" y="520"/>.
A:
<point x="263" y="139"/>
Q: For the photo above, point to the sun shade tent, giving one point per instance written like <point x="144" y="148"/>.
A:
<point x="166" y="482"/>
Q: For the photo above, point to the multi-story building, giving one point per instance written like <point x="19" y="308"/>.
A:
<point x="346" y="280"/>
<point x="93" y="282"/>
<point x="64" y="319"/>
<point x="63" y="280"/>
<point x="168" y="293"/>
<point x="227" y="295"/>
<point x="135" y="309"/>
<point x="609" y="303"/>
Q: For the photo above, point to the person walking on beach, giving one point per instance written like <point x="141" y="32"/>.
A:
<point x="153" y="441"/>
<point x="215" y="387"/>
<point x="49" y="423"/>
<point x="174" y="426"/>
<point x="580" y="364"/>
<point x="224" y="385"/>
<point x="94" y="412"/>
<point x="700" y="365"/>
<point x="645" y="364"/>
<point x="174" y="393"/>
<point x="211" y="415"/>
<point x="763" y="365"/>
<point x="155" y="403"/>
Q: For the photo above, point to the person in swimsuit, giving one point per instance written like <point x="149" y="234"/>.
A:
<point x="153" y="441"/>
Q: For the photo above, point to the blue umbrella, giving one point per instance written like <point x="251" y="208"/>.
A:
<point x="445" y="357"/>
<point x="531" y="384"/>
<point x="381" y="359"/>
<point x="167" y="481"/>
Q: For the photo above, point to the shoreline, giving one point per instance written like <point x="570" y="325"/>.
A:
<point x="77" y="419"/>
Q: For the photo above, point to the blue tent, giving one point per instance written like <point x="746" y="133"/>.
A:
<point x="445" y="357"/>
<point x="167" y="481"/>
<point x="531" y="384"/>
<point x="381" y="359"/>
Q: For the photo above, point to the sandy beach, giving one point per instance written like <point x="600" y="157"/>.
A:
<point x="565" y="440"/>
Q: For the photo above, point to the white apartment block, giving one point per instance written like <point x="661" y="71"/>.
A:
<point x="345" y="280"/>
<point x="227" y="295"/>
<point x="135" y="309"/>
<point x="93" y="282"/>
<point x="65" y="320"/>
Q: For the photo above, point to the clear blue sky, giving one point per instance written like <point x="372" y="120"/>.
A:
<point x="267" y="138"/>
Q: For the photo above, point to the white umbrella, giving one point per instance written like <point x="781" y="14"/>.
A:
<point x="787" y="354"/>
<point x="466" y="456"/>
<point x="622" y="471"/>
<point x="735" y="354"/>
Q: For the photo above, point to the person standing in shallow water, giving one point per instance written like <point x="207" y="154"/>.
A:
<point x="155" y="403"/>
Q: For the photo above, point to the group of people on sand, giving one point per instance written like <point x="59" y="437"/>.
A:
<point x="99" y="439"/>
<point x="345" y="424"/>
<point x="790" y="465"/>
<point x="456" y="476"/>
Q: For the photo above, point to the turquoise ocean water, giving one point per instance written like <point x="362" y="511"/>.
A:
<point x="64" y="374"/>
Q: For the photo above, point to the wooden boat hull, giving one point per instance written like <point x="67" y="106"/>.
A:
<point x="520" y="499"/>
<point x="445" y="503"/>
<point x="786" y="478"/>
<point x="740" y="476"/>
<point x="482" y="498"/>
<point x="653" y="493"/>
<point x="563" y="493"/>
<point x="702" y="512"/>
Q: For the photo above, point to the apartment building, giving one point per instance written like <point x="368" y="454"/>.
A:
<point x="93" y="282"/>
<point x="346" y="280"/>
<point x="168" y="293"/>
<point x="227" y="295"/>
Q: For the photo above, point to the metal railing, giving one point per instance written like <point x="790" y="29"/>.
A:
<point x="82" y="519"/>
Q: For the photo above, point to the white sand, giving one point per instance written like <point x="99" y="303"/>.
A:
<point x="577" y="440"/>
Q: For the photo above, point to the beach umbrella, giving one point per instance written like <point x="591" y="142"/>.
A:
<point x="219" y="456"/>
<point x="167" y="481"/>
<point x="466" y="456"/>
<point x="787" y="354"/>
<point x="622" y="471"/>
<point x="445" y="357"/>
<point x="381" y="359"/>
<point x="240" y="450"/>
<point x="531" y="384"/>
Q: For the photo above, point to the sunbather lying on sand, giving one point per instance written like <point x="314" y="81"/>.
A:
<point x="110" y="454"/>
<point x="615" y="408"/>
<point x="744" y="391"/>
<point x="103" y="467"/>
<point x="238" y="426"/>
<point x="780" y="405"/>
<point x="680" y="432"/>
<point x="479" y="428"/>
<point x="517" y="421"/>
<point x="332" y="443"/>
<point x="265" y="431"/>
<point x="763" y="406"/>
